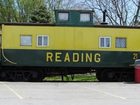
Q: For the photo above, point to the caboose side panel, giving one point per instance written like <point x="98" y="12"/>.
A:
<point x="54" y="46"/>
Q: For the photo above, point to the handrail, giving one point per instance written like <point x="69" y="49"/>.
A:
<point x="7" y="58"/>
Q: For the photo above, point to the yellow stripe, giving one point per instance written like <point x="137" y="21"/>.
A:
<point x="69" y="38"/>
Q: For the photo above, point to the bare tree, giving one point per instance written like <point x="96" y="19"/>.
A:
<point x="136" y="19"/>
<point x="68" y="4"/>
<point x="60" y="4"/>
<point x="119" y="12"/>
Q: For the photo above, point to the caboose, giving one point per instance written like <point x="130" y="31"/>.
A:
<point x="72" y="45"/>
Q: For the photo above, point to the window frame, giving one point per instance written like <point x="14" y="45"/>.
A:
<point x="42" y="44"/>
<point x="121" y="38"/>
<point x="24" y="35"/>
<point x="85" y="13"/>
<point x="105" y="37"/>
<point x="62" y="19"/>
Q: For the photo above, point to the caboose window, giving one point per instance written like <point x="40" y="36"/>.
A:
<point x="25" y="40"/>
<point x="42" y="40"/>
<point x="120" y="42"/>
<point x="104" y="42"/>
<point x="85" y="17"/>
<point x="63" y="16"/>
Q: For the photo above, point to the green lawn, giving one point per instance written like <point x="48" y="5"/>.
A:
<point x="77" y="77"/>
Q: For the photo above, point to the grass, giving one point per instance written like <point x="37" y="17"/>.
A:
<point x="77" y="77"/>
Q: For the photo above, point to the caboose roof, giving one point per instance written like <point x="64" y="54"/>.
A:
<point x="46" y="24"/>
